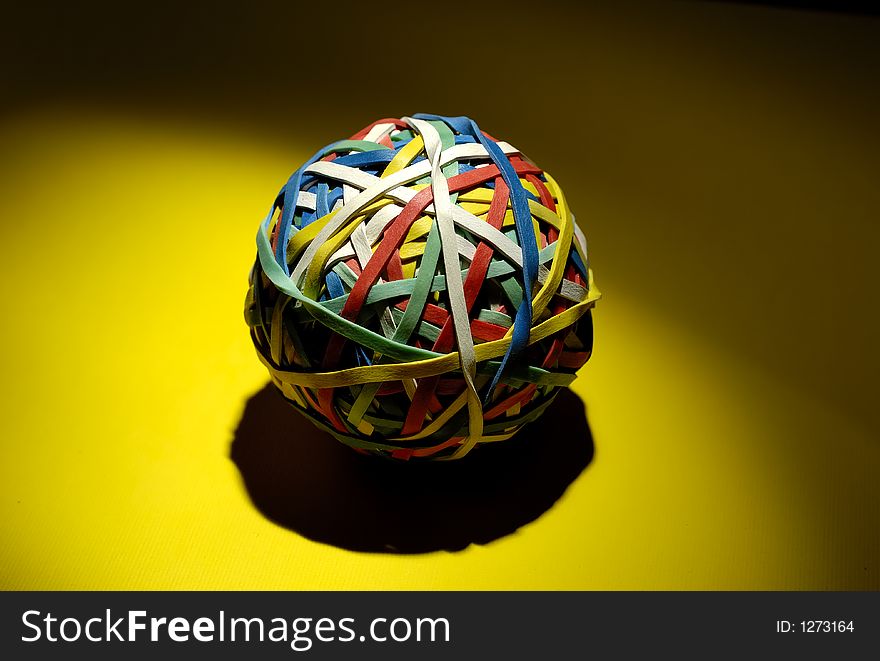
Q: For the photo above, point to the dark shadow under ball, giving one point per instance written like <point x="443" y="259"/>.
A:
<point x="303" y="479"/>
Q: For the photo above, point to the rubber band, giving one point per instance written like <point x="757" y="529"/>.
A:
<point x="421" y="289"/>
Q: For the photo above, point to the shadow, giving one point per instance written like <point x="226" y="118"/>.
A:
<point x="305" y="480"/>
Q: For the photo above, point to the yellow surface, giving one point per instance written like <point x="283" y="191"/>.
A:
<point x="125" y="247"/>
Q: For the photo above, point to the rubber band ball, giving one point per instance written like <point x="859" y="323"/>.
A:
<point x="421" y="289"/>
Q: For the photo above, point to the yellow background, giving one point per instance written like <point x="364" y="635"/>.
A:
<point x="722" y="161"/>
